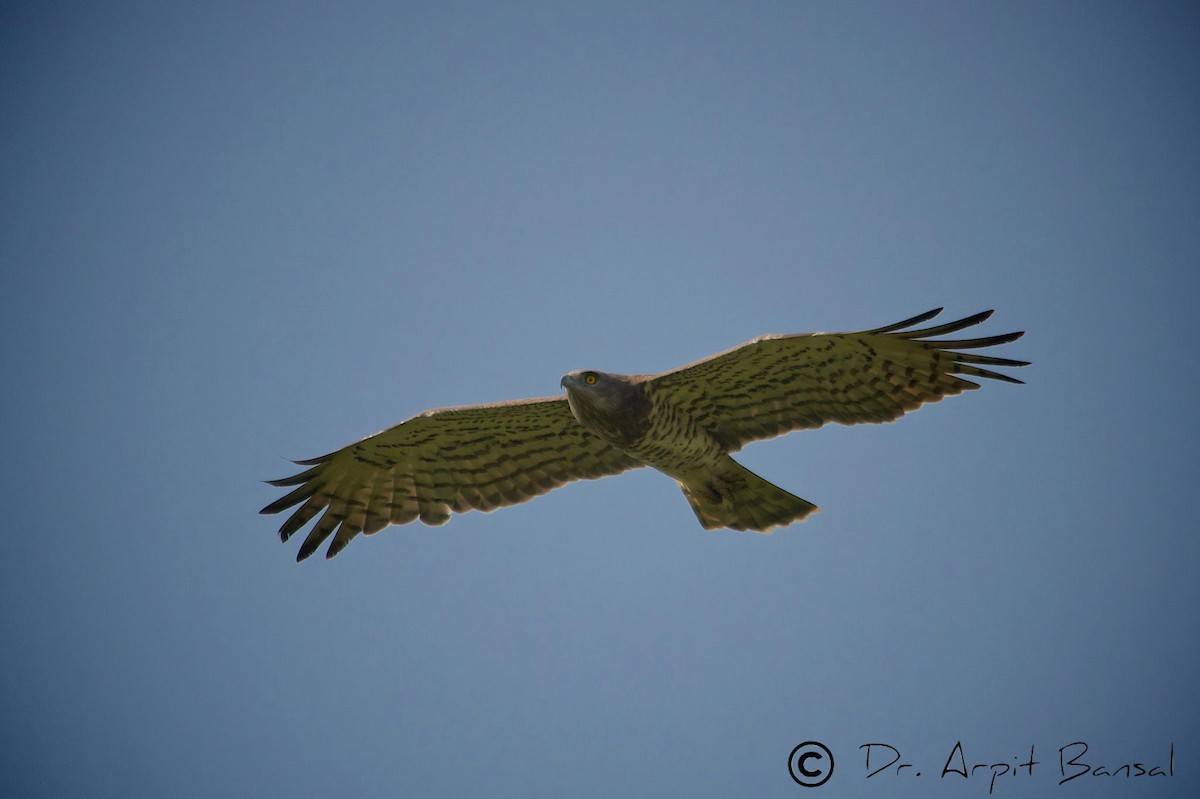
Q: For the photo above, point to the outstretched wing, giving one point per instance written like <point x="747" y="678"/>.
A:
<point x="443" y="461"/>
<point x="775" y="384"/>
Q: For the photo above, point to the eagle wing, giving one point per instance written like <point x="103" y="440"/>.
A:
<point x="775" y="384"/>
<point x="444" y="461"/>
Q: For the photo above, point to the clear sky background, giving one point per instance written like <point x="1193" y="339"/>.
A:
<point x="237" y="233"/>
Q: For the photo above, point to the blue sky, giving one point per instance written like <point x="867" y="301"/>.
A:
<point x="233" y="235"/>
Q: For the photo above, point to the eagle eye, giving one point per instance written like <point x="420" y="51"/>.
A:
<point x="590" y="378"/>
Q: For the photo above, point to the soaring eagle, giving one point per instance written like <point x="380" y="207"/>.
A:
<point x="684" y="423"/>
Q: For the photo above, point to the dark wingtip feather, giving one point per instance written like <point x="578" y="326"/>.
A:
<point x="915" y="320"/>
<point x="325" y="527"/>
<point x="308" y="548"/>
<point x="295" y="497"/>
<point x="975" y="371"/>
<point x="973" y="343"/>
<point x="315" y="461"/>
<point x="987" y="360"/>
<point x="297" y="479"/>
<point x="948" y="327"/>
<point x="301" y="517"/>
<point x="275" y="507"/>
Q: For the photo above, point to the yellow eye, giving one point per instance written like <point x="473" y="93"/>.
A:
<point x="590" y="379"/>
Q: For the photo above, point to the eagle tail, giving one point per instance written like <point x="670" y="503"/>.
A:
<point x="737" y="498"/>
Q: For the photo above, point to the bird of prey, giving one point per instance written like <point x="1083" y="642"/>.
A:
<point x="684" y="423"/>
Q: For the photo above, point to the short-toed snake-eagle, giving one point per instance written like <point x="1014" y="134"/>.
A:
<point x="684" y="423"/>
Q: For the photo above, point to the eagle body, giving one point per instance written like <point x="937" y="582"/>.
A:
<point x="627" y="412"/>
<point x="685" y="423"/>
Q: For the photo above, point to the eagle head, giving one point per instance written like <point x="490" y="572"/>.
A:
<point x="612" y="406"/>
<point x="599" y="389"/>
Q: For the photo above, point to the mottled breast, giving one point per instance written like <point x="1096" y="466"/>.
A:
<point x="676" y="442"/>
